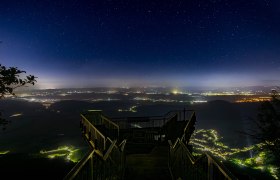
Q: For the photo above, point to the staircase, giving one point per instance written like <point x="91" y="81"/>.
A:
<point x="157" y="148"/>
<point x="153" y="165"/>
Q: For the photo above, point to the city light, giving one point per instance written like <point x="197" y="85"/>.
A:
<point x="67" y="152"/>
<point x="209" y="141"/>
<point x="4" y="152"/>
<point x="131" y="109"/>
<point x="175" y="91"/>
<point x="48" y="97"/>
<point x="16" y="115"/>
<point x="255" y="99"/>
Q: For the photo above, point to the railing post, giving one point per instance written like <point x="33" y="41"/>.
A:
<point x="91" y="168"/>
<point x="169" y="161"/>
<point x="210" y="168"/>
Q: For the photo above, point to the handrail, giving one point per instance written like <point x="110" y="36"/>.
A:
<point x="210" y="159"/>
<point x="189" y="128"/>
<point x="109" y="150"/>
<point x="173" y="113"/>
<point x="122" y="145"/>
<point x="181" y="142"/>
<point x="108" y="139"/>
<point x="77" y="168"/>
<point x="189" y="122"/>
<point x="150" y="121"/>
<point x="178" y="141"/>
<point x="220" y="166"/>
<point x="110" y="122"/>
<point x="169" y="118"/>
<point x="91" y="125"/>
<point x="96" y="130"/>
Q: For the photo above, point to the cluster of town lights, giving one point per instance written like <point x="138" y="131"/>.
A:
<point x="209" y="141"/>
<point x="67" y="152"/>
<point x="131" y="109"/>
<point x="4" y="152"/>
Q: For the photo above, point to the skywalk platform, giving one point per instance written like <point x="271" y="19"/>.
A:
<point x="154" y="147"/>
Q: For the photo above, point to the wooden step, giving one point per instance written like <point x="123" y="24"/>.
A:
<point x="148" y="166"/>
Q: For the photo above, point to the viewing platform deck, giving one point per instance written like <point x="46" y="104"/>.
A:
<point x="154" y="147"/>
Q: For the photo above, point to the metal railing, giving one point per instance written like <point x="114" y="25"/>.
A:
<point x="112" y="130"/>
<point x="185" y="166"/>
<point x="150" y="121"/>
<point x="106" y="159"/>
<point x="98" y="129"/>
<point x="94" y="134"/>
<point x="106" y="126"/>
<point x="96" y="165"/>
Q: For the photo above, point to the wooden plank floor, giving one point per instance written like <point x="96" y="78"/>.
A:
<point x="148" y="166"/>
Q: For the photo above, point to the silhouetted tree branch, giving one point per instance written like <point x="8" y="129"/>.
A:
<point x="11" y="79"/>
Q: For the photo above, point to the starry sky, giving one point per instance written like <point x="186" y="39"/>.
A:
<point x="185" y="43"/>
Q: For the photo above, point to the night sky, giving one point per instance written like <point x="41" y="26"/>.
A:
<point x="202" y="43"/>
